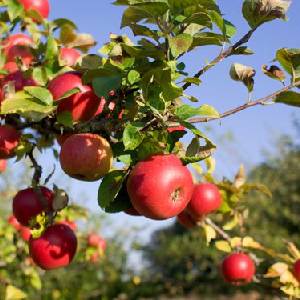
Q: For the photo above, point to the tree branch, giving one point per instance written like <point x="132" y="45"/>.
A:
<point x="261" y="101"/>
<point x="220" y="231"/>
<point x="224" y="54"/>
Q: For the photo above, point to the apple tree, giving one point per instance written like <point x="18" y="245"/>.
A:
<point x="119" y="117"/>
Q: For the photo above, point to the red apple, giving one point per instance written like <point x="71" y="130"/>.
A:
<point x="64" y="83"/>
<point x="40" y="6"/>
<point x="14" y="222"/>
<point x="132" y="211"/>
<point x="176" y="128"/>
<point x="186" y="220"/>
<point x="17" y="80"/>
<point x="25" y="233"/>
<point x="82" y="105"/>
<point x="238" y="268"/>
<point x="296" y="270"/>
<point x="160" y="187"/>
<point x="206" y="199"/>
<point x="96" y="241"/>
<point x="86" y="156"/>
<point x="29" y="203"/>
<point x="18" y="39"/>
<point x="2" y="165"/>
<point x="55" y="248"/>
<point x="24" y="53"/>
<point x="71" y="224"/>
<point x="62" y="138"/>
<point x="9" y="141"/>
<point x="69" y="56"/>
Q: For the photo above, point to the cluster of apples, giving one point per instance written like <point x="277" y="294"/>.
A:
<point x="57" y="245"/>
<point x="98" y="245"/>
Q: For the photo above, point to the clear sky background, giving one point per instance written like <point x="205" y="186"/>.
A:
<point x="254" y="130"/>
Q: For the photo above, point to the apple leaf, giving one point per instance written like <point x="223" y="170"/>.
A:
<point x="40" y="93"/>
<point x="180" y="44"/>
<point x="223" y="246"/>
<point x="289" y="59"/>
<point x="132" y="136"/>
<point x="110" y="186"/>
<point x="27" y="107"/>
<point x="290" y="98"/>
<point x="185" y="111"/>
<point x="257" y="12"/>
<point x="103" y="85"/>
<point x="227" y="28"/>
<point x="13" y="293"/>
<point x="133" y="76"/>
<point x="65" y="118"/>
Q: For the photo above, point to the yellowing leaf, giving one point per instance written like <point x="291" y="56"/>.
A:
<point x="231" y="224"/>
<point x="13" y="293"/>
<point x="276" y="270"/>
<point x="293" y="250"/>
<point x="249" y="242"/>
<point x="236" y="242"/>
<point x="210" y="233"/>
<point x="223" y="246"/>
<point x="287" y="277"/>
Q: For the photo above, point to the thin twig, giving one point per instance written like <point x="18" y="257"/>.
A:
<point x="261" y="101"/>
<point x="224" y="54"/>
<point x="219" y="230"/>
<point x="37" y="169"/>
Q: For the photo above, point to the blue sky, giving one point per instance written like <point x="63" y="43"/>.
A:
<point x="253" y="130"/>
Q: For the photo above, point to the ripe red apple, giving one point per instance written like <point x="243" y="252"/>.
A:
<point x="206" y="199"/>
<point x="25" y="233"/>
<point x="9" y="140"/>
<point x="238" y="268"/>
<point x="86" y="156"/>
<point x="29" y="203"/>
<point x="96" y="241"/>
<point x="176" y="128"/>
<point x="69" y="56"/>
<point x="62" y="138"/>
<point x="160" y="187"/>
<point x="2" y="165"/>
<point x="14" y="222"/>
<point x="40" y="6"/>
<point x="71" y="224"/>
<point x="18" y="39"/>
<point x="64" y="83"/>
<point x="82" y="105"/>
<point x="17" y="80"/>
<point x="55" y="248"/>
<point x="186" y="220"/>
<point x="296" y="270"/>
<point x="132" y="211"/>
<point x="24" y="53"/>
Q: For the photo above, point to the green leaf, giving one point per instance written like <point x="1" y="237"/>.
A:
<point x="180" y="44"/>
<point x="27" y="107"/>
<point x="132" y="137"/>
<point x="289" y="58"/>
<point x="14" y="9"/>
<point x="65" y="118"/>
<point x="51" y="49"/>
<point x="40" y="93"/>
<point x="227" y="28"/>
<point x="257" y="12"/>
<point x="185" y="111"/>
<point x="91" y="62"/>
<point x="243" y="50"/>
<point x="69" y="93"/>
<point x="207" y="38"/>
<point x="133" y="76"/>
<point x="193" y="80"/>
<point x="103" y="85"/>
<point x="110" y="187"/>
<point x="39" y="75"/>
<point x="290" y="98"/>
